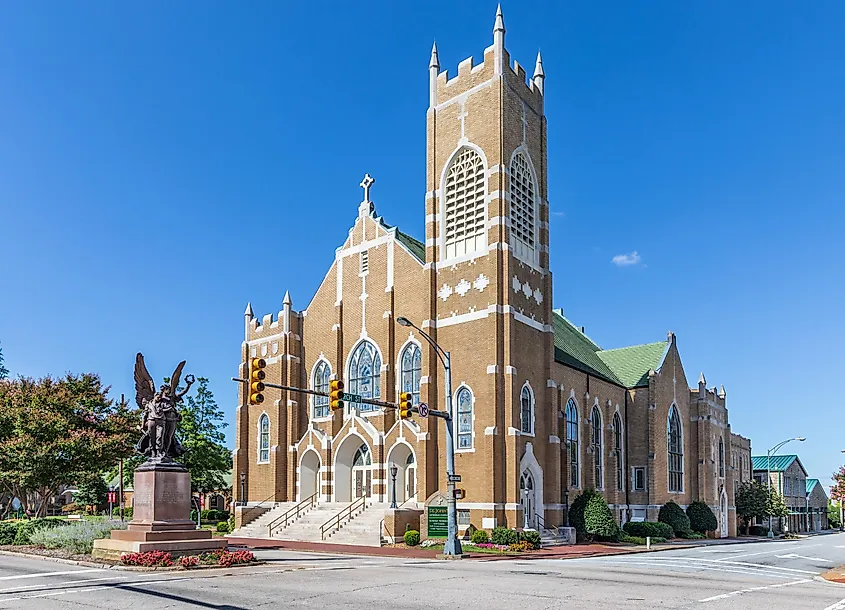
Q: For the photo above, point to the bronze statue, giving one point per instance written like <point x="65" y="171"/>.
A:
<point x="159" y="442"/>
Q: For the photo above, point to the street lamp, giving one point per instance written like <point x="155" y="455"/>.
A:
<point x="393" y="471"/>
<point x="243" y="489"/>
<point x="769" y="472"/>
<point x="453" y="545"/>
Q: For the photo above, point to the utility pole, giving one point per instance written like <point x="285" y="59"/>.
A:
<point x="120" y="470"/>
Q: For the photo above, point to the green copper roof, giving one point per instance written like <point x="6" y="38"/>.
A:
<point x="810" y="484"/>
<point x="626" y="366"/>
<point x="779" y="463"/>
<point x="416" y="248"/>
<point x="632" y="364"/>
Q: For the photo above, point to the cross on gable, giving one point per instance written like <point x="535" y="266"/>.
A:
<point x="366" y="183"/>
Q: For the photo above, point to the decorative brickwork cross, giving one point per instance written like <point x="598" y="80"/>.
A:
<point x="366" y="183"/>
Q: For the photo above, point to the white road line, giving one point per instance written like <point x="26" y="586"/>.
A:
<point x="741" y="591"/>
<point x="46" y="574"/>
<point x="62" y="584"/>
<point x="746" y="564"/>
<point x="837" y="606"/>
<point x="686" y="566"/>
<point x="809" y="546"/>
<point x="87" y="589"/>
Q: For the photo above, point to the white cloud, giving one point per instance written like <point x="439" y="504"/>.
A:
<point x="559" y="214"/>
<point x="626" y="260"/>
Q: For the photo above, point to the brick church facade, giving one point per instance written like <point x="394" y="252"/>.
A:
<point x="540" y="411"/>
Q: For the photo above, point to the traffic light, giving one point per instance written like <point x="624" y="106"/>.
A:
<point x="336" y="394"/>
<point x="406" y="401"/>
<point x="256" y="380"/>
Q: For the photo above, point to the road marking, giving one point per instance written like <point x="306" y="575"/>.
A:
<point x="46" y="574"/>
<point x="117" y="585"/>
<point x="794" y="556"/>
<point x="653" y="563"/>
<point x="837" y="606"/>
<point x="741" y="591"/>
<point x="68" y="582"/>
<point x="748" y="564"/>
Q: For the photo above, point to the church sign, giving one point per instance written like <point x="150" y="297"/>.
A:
<point x="437" y="522"/>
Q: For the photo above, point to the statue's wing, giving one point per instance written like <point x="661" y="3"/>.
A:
<point x="144" y="386"/>
<point x="177" y="375"/>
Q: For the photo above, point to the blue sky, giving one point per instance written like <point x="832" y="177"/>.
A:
<point x="152" y="153"/>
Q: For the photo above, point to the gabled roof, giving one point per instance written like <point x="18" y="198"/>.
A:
<point x="415" y="247"/>
<point x="626" y="366"/>
<point x="779" y="463"/>
<point x="811" y="483"/>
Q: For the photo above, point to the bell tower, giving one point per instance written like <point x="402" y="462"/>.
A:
<point x="487" y="262"/>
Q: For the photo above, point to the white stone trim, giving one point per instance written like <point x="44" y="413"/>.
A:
<point x="492" y="369"/>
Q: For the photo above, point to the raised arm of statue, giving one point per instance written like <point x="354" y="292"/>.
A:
<point x="189" y="381"/>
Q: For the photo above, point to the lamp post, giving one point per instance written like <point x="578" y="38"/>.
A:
<point x="840" y="498"/>
<point x="453" y="545"/>
<point x="243" y="489"/>
<point x="769" y="472"/>
<point x="393" y="471"/>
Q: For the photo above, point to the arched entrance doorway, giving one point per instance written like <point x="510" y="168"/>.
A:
<point x="528" y="500"/>
<point x="353" y="469"/>
<point x="402" y="456"/>
<point x="309" y="474"/>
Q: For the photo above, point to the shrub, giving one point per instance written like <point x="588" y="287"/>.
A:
<point x="480" y="537"/>
<point x="640" y="540"/>
<point x="644" y="529"/>
<point x="701" y="518"/>
<point x="128" y="513"/>
<point x="8" y="531"/>
<point x="758" y="530"/>
<point x="193" y="516"/>
<point x="598" y="520"/>
<point x="412" y="538"/>
<point x="27" y="528"/>
<point x="77" y="538"/>
<point x="223" y="527"/>
<point x="150" y="559"/>
<point x="532" y="537"/>
<point x="576" y="511"/>
<point x="675" y="516"/>
<point x="503" y="535"/>
<point x="690" y="535"/>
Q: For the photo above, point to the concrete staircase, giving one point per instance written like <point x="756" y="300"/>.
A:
<point x="259" y="527"/>
<point x="363" y="529"/>
<point x="307" y="527"/>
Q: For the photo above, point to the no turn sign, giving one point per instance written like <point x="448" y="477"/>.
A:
<point x="423" y="409"/>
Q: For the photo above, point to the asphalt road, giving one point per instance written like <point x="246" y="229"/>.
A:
<point x="767" y="575"/>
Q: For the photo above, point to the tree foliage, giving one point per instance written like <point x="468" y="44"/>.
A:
<point x="92" y="491"/>
<point x="675" y="516"/>
<point x="837" y="492"/>
<point x="599" y="521"/>
<point x="758" y="500"/>
<point x="833" y="514"/>
<point x="576" y="511"/>
<point x="4" y="372"/>
<point x="201" y="433"/>
<point x="701" y="517"/>
<point x="53" y="431"/>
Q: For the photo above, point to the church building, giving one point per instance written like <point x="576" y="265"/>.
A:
<point x="541" y="412"/>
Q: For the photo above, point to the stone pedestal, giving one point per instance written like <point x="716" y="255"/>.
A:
<point x="161" y="517"/>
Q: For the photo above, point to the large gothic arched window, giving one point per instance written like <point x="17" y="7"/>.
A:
<point x="598" y="452"/>
<point x="320" y="383"/>
<point x="464" y="193"/>
<point x="676" y="451"/>
<point x="617" y="449"/>
<point x="526" y="402"/>
<point x="465" y="417"/>
<point x="523" y="208"/>
<point x="365" y="373"/>
<point x="572" y="441"/>
<point x="411" y="370"/>
<point x="721" y="457"/>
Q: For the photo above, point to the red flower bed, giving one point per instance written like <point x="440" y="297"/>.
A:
<point x="189" y="561"/>
<point x="150" y="559"/>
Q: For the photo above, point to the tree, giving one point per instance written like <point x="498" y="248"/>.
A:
<point x="837" y="492"/>
<point x="598" y="520"/>
<point x="833" y="514"/>
<point x="92" y="491"/>
<point x="4" y="372"/>
<point x="201" y="433"/>
<point x="576" y="511"/>
<point x="756" y="499"/>
<point x="701" y="517"/>
<point x="53" y="431"/>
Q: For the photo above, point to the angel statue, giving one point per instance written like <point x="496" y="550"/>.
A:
<point x="159" y="442"/>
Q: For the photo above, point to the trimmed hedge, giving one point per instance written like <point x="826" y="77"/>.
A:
<point x="503" y="535"/>
<point x="691" y="535"/>
<point x="576" y="511"/>
<point x="645" y="529"/>
<point x="701" y="518"/>
<point x="223" y="527"/>
<point x="480" y="537"/>
<point x="8" y="531"/>
<point x="412" y="538"/>
<point x="599" y="521"/>
<point x="532" y="537"/>
<point x="675" y="516"/>
<point x="758" y="530"/>
<point x="640" y="540"/>
<point x="213" y="514"/>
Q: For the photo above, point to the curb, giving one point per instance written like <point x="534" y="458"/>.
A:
<point x="73" y="562"/>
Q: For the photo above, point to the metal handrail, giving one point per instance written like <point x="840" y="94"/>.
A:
<point x="542" y="523"/>
<point x="292" y="514"/>
<point x="334" y="523"/>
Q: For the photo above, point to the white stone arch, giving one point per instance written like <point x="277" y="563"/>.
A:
<point x="261" y="418"/>
<point x="398" y="454"/>
<point x="343" y="455"/>
<point x="533" y="416"/>
<point x="523" y="150"/>
<point x="441" y="237"/>
<point x="309" y="477"/>
<point x="411" y="340"/>
<point x="348" y="363"/>
<point x="313" y="381"/>
<point x="529" y="464"/>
